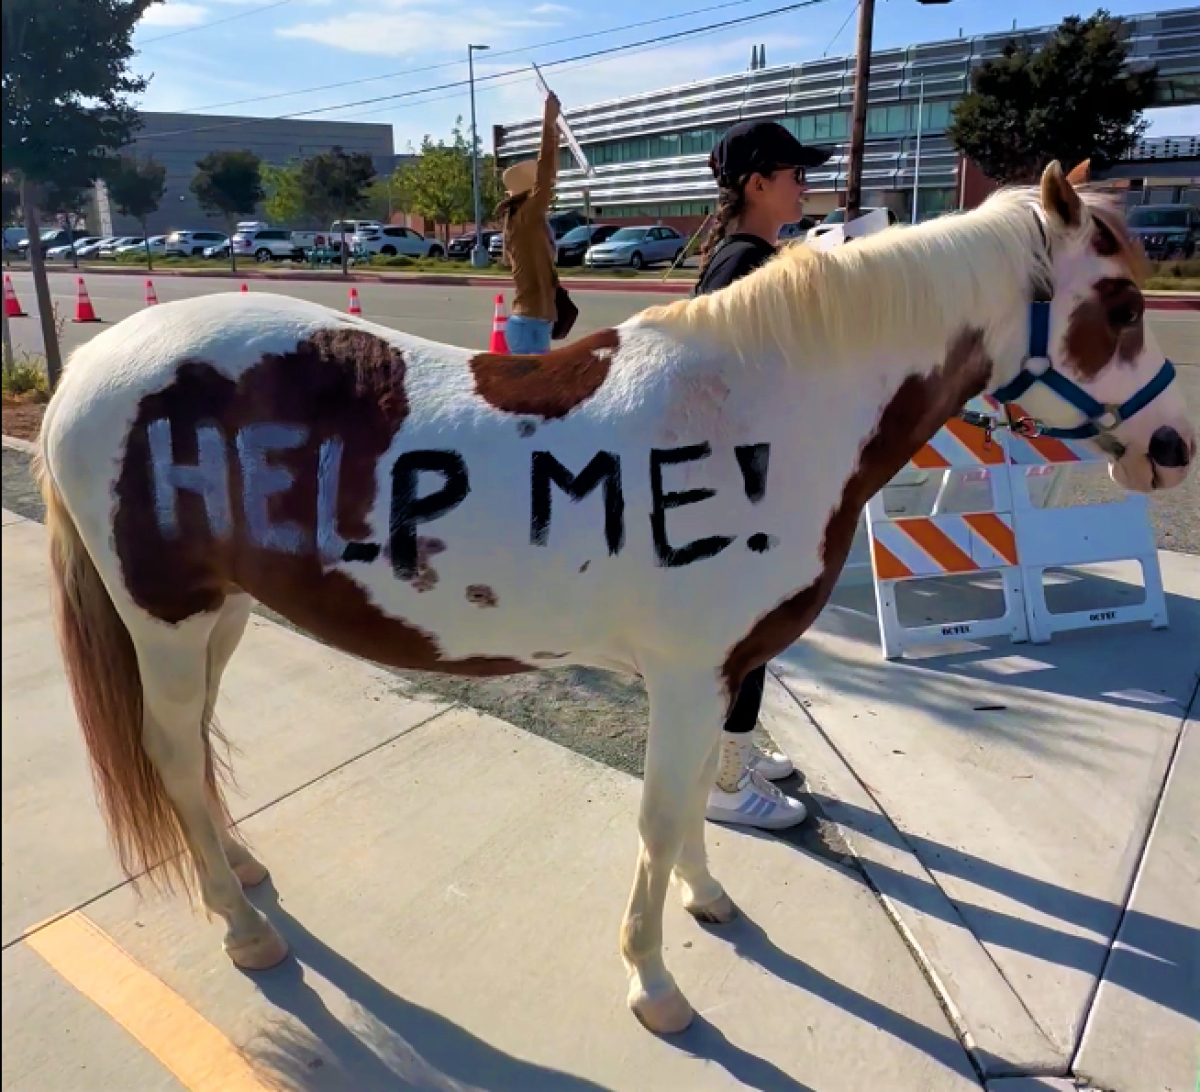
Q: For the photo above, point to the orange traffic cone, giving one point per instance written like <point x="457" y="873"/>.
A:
<point x="245" y="287"/>
<point x="84" y="312"/>
<point x="355" y="307"/>
<point x="499" y="342"/>
<point x="12" y="305"/>
<point x="151" y="295"/>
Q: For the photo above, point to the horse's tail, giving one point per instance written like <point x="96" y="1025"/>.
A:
<point x="106" y="686"/>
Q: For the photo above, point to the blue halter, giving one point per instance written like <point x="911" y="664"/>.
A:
<point x="1101" y="419"/>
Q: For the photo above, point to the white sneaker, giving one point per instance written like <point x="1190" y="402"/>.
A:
<point x="755" y="803"/>
<point x="772" y="764"/>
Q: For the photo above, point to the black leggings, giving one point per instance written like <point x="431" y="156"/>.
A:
<point x="744" y="714"/>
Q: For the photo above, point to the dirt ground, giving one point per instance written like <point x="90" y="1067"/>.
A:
<point x="22" y="419"/>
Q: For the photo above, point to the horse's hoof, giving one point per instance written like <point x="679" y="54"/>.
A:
<point x="666" y="1015"/>
<point x="258" y="953"/>
<point x="251" y="873"/>
<point x="720" y="911"/>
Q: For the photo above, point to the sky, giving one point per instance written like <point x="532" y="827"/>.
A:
<point x="263" y="58"/>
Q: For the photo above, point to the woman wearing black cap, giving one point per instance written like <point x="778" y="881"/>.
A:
<point x="760" y="171"/>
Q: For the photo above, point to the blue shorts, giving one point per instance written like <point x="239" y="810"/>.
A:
<point x="528" y="335"/>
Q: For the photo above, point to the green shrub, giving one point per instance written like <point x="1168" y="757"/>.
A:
<point x="27" y="380"/>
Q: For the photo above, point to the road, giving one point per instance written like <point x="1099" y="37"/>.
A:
<point x="458" y="316"/>
<point x="455" y="315"/>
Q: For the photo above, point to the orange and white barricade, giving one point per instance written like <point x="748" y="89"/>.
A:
<point x="1015" y="532"/>
<point x="924" y="547"/>
<point x="1054" y="537"/>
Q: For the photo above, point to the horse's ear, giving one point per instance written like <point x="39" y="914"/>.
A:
<point x="1059" y="198"/>
<point x="1081" y="174"/>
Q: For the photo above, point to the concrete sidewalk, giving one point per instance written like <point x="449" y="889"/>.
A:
<point x="452" y="888"/>
<point x="1020" y="808"/>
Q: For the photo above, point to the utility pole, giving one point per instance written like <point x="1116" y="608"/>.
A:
<point x="862" y="84"/>
<point x="858" y="127"/>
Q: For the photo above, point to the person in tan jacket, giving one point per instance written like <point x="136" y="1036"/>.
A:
<point x="529" y="240"/>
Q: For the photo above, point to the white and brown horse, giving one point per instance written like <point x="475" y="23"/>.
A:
<point x="673" y="498"/>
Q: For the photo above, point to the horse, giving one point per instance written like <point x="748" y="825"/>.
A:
<point x="673" y="498"/>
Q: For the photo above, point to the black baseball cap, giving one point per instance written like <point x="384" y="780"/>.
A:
<point x="751" y="146"/>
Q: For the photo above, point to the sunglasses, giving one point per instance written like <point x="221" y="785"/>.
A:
<point x="799" y="173"/>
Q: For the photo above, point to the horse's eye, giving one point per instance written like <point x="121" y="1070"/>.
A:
<point x="1124" y="316"/>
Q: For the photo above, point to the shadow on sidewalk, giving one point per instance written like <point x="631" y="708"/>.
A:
<point x="395" y="1045"/>
<point x="1165" y="968"/>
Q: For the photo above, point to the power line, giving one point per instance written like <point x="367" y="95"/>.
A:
<point x="516" y="76"/>
<point x="216" y="22"/>
<point x="853" y="9"/>
<point x="453" y="64"/>
<point x="494" y="76"/>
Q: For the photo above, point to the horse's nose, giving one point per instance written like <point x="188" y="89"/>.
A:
<point x="1168" y="448"/>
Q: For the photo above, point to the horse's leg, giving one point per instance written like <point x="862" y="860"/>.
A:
<point x="226" y="635"/>
<point x="175" y="669"/>
<point x="703" y="896"/>
<point x="685" y="718"/>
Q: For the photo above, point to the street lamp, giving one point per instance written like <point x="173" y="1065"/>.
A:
<point x="479" y="255"/>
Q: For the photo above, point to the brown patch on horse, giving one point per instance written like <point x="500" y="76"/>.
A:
<point x="482" y="595"/>
<point x="427" y="576"/>
<point x="920" y="406"/>
<point x="342" y="385"/>
<point x="1108" y="323"/>
<point x="1111" y="239"/>
<point x="548" y="386"/>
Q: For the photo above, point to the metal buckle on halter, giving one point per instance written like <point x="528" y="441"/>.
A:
<point x="1026" y="427"/>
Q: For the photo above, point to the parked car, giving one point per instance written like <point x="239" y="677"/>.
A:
<point x="393" y="241"/>
<point x="92" y="250"/>
<point x="560" y="223"/>
<point x="563" y="222"/>
<point x="838" y="216"/>
<point x="56" y="253"/>
<point x="191" y="244"/>
<point x="265" y="244"/>
<point x="574" y="244"/>
<point x="14" y="237"/>
<point x="1165" y="231"/>
<point x="461" y="246"/>
<point x="352" y="228"/>
<point x="109" y="249"/>
<point x="797" y="231"/>
<point x="220" y="250"/>
<point x="51" y="238"/>
<point x="637" y="247"/>
<point x="156" y="244"/>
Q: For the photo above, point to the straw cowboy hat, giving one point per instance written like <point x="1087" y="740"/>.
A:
<point x="520" y="176"/>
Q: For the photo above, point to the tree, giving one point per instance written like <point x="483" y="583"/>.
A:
<point x="136" y="188"/>
<point x="439" y="182"/>
<point x="284" y="200"/>
<point x="334" y="184"/>
<point x="67" y="197"/>
<point x="66" y="82"/>
<point x="229" y="184"/>
<point x="1075" y="98"/>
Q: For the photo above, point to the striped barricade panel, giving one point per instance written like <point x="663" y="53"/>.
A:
<point x="918" y="546"/>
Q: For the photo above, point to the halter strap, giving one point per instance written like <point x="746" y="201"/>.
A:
<point x="1100" y="418"/>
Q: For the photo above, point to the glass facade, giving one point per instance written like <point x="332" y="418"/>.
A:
<point x="651" y="211"/>
<point x="882" y="121"/>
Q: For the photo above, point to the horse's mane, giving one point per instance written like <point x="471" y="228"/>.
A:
<point x="922" y="283"/>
